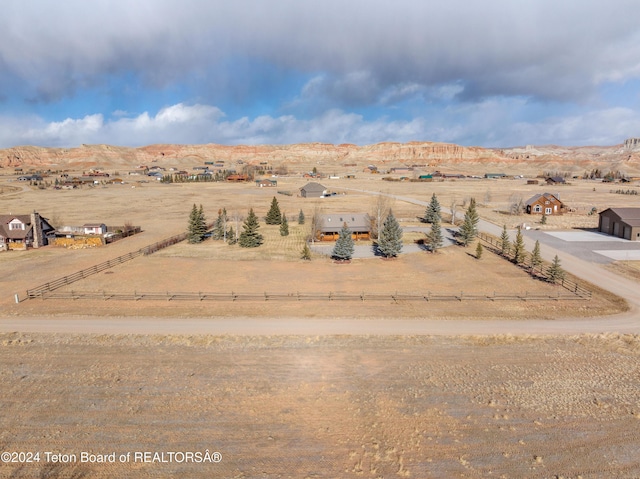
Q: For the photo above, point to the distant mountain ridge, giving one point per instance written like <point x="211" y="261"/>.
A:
<point x="426" y="154"/>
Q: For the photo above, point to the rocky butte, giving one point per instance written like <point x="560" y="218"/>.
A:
<point x="624" y="157"/>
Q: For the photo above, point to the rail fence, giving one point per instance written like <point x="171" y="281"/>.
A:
<point x="40" y="291"/>
<point x="540" y="272"/>
<point x="573" y="290"/>
<point x="306" y="296"/>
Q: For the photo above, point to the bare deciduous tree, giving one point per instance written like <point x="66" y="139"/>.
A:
<point x="315" y="223"/>
<point x="453" y="210"/>
<point x="516" y="204"/>
<point x="381" y="210"/>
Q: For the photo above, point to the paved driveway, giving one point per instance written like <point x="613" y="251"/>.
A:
<point x="588" y="245"/>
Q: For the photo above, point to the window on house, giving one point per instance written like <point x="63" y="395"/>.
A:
<point x="547" y="211"/>
<point x="16" y="226"/>
<point x="537" y="208"/>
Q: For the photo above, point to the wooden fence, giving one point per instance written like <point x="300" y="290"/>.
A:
<point x="39" y="291"/>
<point x="573" y="290"/>
<point x="495" y="244"/>
<point x="306" y="296"/>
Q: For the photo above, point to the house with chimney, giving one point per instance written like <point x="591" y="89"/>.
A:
<point x="19" y="232"/>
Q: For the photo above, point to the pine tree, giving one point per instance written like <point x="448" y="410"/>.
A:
<point x="344" y="248"/>
<point x="543" y="220"/>
<point x="390" y="237"/>
<point x="434" y="237"/>
<point x="250" y="238"/>
<point x="231" y="237"/>
<point x="202" y="223"/>
<point x="479" y="250"/>
<point x="220" y="227"/>
<point x="433" y="210"/>
<point x="536" y="258"/>
<point x="192" y="236"/>
<point x="301" y="218"/>
<point x="518" y="248"/>
<point x="274" y="217"/>
<point x="555" y="272"/>
<point x="306" y="252"/>
<point x="197" y="225"/>
<point x="469" y="229"/>
<point x="505" y="244"/>
<point x="284" y="226"/>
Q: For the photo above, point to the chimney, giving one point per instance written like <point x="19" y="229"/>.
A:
<point x="36" y="226"/>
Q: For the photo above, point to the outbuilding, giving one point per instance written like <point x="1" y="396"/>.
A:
<point x="312" y="190"/>
<point x="620" y="222"/>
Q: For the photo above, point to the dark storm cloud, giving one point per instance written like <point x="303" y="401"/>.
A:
<point x="540" y="48"/>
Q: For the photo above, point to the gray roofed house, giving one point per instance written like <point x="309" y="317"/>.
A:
<point x="555" y="180"/>
<point x="330" y="225"/>
<point x="620" y="222"/>
<point x="312" y="190"/>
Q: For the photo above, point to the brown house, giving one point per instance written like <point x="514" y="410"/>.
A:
<point x="330" y="225"/>
<point x="18" y="232"/>
<point x="237" y="178"/>
<point x="621" y="222"/>
<point x="545" y="204"/>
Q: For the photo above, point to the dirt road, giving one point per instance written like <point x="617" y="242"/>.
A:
<point x="624" y="323"/>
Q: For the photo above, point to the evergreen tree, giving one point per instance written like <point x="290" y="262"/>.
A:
<point x="555" y="272"/>
<point x="536" y="258"/>
<point x="543" y="220"/>
<point x="344" y="248"/>
<point x="505" y="244"/>
<point x="231" y="236"/>
<point x="274" y="217"/>
<point x="197" y="225"/>
<point x="479" y="250"/>
<point x="469" y="229"/>
<point x="433" y="210"/>
<point x="284" y="226"/>
<point x="250" y="238"/>
<point x="390" y="237"/>
<point x="220" y="227"/>
<point x="306" y="252"/>
<point x="192" y="228"/>
<point x="301" y="218"/>
<point x="434" y="237"/>
<point x="518" y="248"/>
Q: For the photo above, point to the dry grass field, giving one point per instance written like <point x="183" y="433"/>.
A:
<point x="309" y="407"/>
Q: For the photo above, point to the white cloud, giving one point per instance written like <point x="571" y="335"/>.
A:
<point x="490" y="123"/>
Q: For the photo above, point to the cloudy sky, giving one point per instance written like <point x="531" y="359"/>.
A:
<point x="494" y="73"/>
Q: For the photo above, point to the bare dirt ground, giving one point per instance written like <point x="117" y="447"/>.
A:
<point x="279" y="406"/>
<point x="304" y="407"/>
